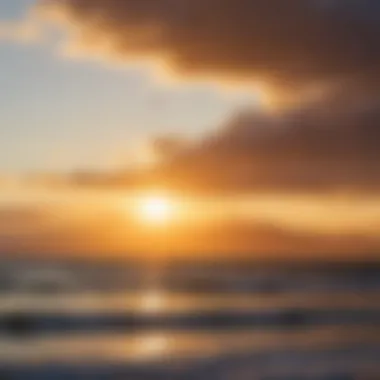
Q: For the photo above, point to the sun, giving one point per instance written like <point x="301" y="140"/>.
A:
<point x="156" y="209"/>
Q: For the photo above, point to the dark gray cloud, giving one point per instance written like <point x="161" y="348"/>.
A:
<point x="293" y="43"/>
<point x="319" y="147"/>
<point x="325" y="146"/>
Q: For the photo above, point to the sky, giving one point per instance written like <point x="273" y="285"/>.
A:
<point x="51" y="107"/>
<point x="257" y="121"/>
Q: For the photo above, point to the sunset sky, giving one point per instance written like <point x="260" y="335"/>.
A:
<point x="82" y="114"/>
<point x="250" y="125"/>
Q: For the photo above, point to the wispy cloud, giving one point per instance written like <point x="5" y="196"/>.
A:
<point x="28" y="30"/>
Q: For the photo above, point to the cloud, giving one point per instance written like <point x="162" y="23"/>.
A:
<point x="292" y="50"/>
<point x="293" y="45"/>
<point x="29" y="30"/>
<point x="326" y="146"/>
<point x="327" y="49"/>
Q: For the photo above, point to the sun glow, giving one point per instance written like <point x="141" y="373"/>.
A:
<point x="156" y="209"/>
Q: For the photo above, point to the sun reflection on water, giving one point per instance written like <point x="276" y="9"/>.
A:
<point x="152" y="346"/>
<point x="152" y="302"/>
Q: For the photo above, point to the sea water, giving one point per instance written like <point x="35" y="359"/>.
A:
<point x="91" y="320"/>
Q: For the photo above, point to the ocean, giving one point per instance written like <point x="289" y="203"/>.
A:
<point x="189" y="320"/>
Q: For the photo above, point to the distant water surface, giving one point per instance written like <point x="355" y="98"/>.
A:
<point x="98" y="321"/>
